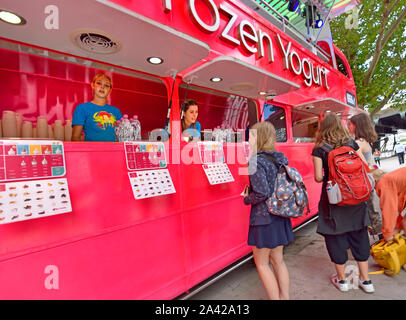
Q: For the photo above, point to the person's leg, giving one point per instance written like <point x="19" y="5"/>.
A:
<point x="360" y="248"/>
<point x="403" y="225"/>
<point x="340" y="269"/>
<point x="399" y="158"/>
<point x="281" y="272"/>
<point x="337" y="250"/>
<point x="261" y="258"/>
<point x="402" y="155"/>
<point x="363" y="270"/>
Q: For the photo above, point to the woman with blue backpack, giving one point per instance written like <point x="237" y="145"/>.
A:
<point x="268" y="233"/>
<point x="343" y="226"/>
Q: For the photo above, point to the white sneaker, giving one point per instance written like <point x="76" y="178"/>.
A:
<point x="367" y="286"/>
<point x="341" y="285"/>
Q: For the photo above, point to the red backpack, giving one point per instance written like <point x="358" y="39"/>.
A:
<point x="350" y="173"/>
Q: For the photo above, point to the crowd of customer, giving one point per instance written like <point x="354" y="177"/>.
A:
<point x="343" y="227"/>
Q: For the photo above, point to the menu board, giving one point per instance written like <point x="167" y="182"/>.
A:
<point x="211" y="152"/>
<point x="33" y="199"/>
<point x="151" y="183"/>
<point x="218" y="173"/>
<point x="31" y="159"/>
<point x="145" y="155"/>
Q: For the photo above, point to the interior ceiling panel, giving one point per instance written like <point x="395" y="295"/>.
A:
<point x="133" y="38"/>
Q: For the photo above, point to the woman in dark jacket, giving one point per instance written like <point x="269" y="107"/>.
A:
<point x="267" y="233"/>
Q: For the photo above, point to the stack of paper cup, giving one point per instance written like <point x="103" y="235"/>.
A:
<point x="42" y="127"/>
<point x="26" y="129"/>
<point x="68" y="130"/>
<point x="9" y="124"/>
<point x="59" y="130"/>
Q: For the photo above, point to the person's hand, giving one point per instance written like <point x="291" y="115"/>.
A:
<point x="245" y="192"/>
<point x="387" y="239"/>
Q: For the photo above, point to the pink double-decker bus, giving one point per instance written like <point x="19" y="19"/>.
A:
<point x="241" y="61"/>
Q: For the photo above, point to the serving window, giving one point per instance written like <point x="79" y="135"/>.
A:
<point x="276" y="115"/>
<point x="216" y="109"/>
<point x="43" y="83"/>
<point x="304" y="126"/>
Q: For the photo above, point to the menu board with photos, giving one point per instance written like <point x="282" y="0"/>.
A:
<point x="218" y="173"/>
<point x="31" y="159"/>
<point x="211" y="152"/>
<point x="33" y="199"/>
<point x="151" y="183"/>
<point x="145" y="155"/>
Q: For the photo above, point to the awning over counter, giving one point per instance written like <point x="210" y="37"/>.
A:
<point x="321" y="105"/>
<point x="103" y="31"/>
<point x="238" y="77"/>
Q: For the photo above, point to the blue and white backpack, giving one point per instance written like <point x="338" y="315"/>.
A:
<point x="289" y="197"/>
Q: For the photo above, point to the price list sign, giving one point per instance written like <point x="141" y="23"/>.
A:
<point x="151" y="183"/>
<point x="33" y="199"/>
<point x="31" y="159"/>
<point x="145" y="155"/>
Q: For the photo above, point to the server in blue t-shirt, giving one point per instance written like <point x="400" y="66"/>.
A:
<point x="191" y="128"/>
<point x="96" y="118"/>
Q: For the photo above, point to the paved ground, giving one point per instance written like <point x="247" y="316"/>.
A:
<point x="310" y="269"/>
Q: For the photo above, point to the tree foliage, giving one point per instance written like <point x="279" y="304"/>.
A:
<point x="376" y="51"/>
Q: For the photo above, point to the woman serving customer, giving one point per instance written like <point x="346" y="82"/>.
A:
<point x="191" y="129"/>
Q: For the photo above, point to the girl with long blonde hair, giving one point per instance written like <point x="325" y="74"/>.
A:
<point x="267" y="233"/>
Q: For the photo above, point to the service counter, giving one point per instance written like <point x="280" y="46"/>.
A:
<point x="153" y="248"/>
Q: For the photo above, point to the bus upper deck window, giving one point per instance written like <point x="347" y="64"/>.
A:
<point x="341" y="66"/>
<point x="304" y="126"/>
<point x="276" y="115"/>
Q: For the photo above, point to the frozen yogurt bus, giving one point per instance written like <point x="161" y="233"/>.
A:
<point x="241" y="61"/>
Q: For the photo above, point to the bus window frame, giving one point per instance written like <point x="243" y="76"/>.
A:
<point x="314" y="115"/>
<point x="286" y="109"/>
<point x="176" y="113"/>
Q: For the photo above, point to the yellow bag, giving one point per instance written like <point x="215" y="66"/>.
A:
<point x="390" y="255"/>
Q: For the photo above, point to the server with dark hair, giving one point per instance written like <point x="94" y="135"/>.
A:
<point x="191" y="129"/>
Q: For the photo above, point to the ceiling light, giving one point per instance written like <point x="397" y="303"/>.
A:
<point x="155" y="60"/>
<point x="216" y="79"/>
<point x="11" y="18"/>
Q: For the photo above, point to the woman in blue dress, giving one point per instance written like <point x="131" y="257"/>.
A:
<point x="268" y="233"/>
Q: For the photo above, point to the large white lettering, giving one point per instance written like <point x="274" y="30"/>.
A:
<point x="261" y="36"/>
<point x="251" y="35"/>
<point x="292" y="61"/>
<point x="225" y="34"/>
<point x="255" y="41"/>
<point x="199" y="21"/>
<point x="167" y="5"/>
